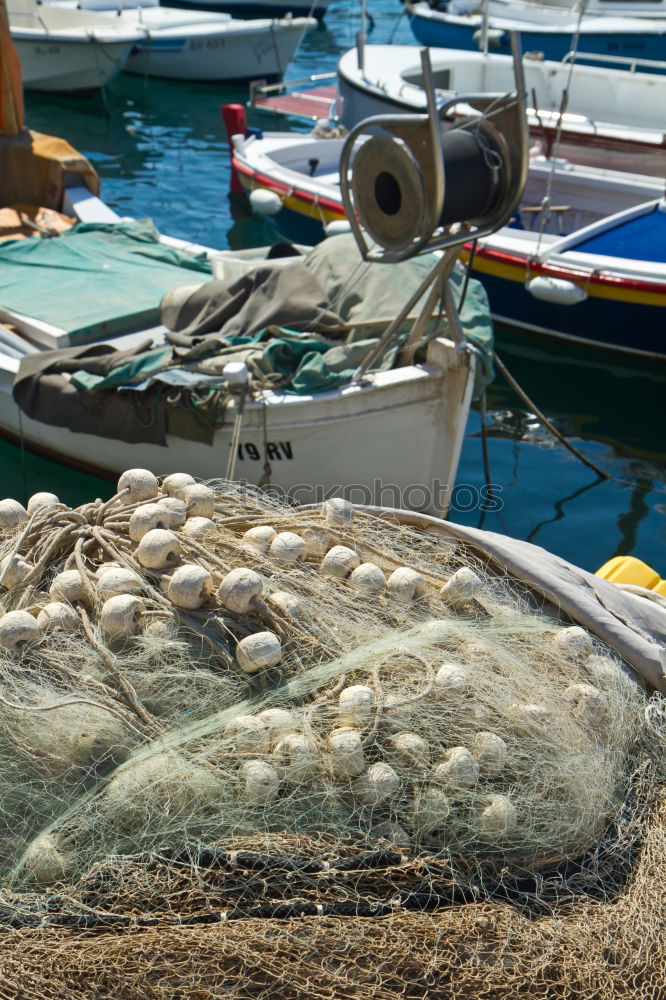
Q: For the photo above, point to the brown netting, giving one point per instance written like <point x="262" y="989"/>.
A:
<point x="587" y="950"/>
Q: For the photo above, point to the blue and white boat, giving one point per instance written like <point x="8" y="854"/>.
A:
<point x="621" y="34"/>
<point x="583" y="259"/>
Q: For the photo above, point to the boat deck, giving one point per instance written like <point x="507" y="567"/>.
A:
<point x="307" y="104"/>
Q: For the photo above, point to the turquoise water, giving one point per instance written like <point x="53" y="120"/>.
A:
<point x="160" y="150"/>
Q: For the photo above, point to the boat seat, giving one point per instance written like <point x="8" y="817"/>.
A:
<point x="532" y="211"/>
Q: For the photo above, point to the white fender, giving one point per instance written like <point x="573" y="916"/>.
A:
<point x="497" y="38"/>
<point x="336" y="227"/>
<point x="556" y="290"/>
<point x="265" y="202"/>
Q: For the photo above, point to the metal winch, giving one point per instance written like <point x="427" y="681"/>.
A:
<point x="414" y="183"/>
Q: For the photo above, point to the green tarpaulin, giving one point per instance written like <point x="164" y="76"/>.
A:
<point x="95" y="280"/>
<point x="306" y="363"/>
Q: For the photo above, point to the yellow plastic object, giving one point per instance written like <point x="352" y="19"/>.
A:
<point x="628" y="570"/>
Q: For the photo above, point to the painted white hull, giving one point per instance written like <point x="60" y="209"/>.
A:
<point x="68" y="49"/>
<point x="52" y="64"/>
<point x="397" y="440"/>
<point x="614" y="119"/>
<point x="187" y="45"/>
<point x="236" y="51"/>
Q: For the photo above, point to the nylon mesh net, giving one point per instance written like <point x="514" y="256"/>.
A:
<point x="256" y="750"/>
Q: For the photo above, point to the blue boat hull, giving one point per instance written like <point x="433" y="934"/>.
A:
<point x="599" y="322"/>
<point x="298" y="228"/>
<point x="443" y="33"/>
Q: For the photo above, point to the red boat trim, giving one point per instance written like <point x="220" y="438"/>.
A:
<point x="330" y="206"/>
<point x="569" y="273"/>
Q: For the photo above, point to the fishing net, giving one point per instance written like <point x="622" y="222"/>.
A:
<point x="219" y="710"/>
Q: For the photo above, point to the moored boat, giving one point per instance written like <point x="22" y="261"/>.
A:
<point x="631" y="34"/>
<point x="612" y="118"/>
<point x="584" y="258"/>
<point x="195" y="44"/>
<point x="67" y="51"/>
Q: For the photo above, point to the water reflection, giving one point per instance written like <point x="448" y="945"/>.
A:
<point x="608" y="408"/>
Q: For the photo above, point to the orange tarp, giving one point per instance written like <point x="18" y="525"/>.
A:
<point x="11" y="87"/>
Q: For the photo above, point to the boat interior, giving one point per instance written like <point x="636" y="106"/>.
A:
<point x="591" y="92"/>
<point x="574" y="194"/>
<point x="559" y="202"/>
<point x="29" y="15"/>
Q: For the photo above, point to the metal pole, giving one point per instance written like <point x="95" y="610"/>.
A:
<point x="360" y="41"/>
<point x="484" y="28"/>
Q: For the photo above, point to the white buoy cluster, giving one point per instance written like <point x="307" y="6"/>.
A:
<point x="162" y="529"/>
<point x="416" y="716"/>
<point x="157" y="530"/>
<point x="357" y="757"/>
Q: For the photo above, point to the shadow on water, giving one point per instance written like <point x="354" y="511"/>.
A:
<point x="609" y="407"/>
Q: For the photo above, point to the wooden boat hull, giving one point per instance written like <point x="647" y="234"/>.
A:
<point x="395" y="440"/>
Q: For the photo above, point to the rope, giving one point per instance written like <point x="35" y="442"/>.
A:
<point x="278" y="63"/>
<point x="267" y="471"/>
<point x="531" y="405"/>
<point x="546" y="422"/>
<point x="24" y="471"/>
<point x="396" y="26"/>
<point x="235" y="437"/>
<point x="468" y="274"/>
<point x="546" y="200"/>
<point x="484" y="448"/>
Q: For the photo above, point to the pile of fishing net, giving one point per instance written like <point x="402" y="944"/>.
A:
<point x="256" y="750"/>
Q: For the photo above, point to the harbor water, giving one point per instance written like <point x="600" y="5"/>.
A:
<point x="161" y="152"/>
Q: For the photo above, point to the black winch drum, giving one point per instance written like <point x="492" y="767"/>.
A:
<point x="390" y="194"/>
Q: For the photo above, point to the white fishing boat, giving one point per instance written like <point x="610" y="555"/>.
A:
<point x="400" y="429"/>
<point x="612" y="118"/>
<point x="260" y="8"/>
<point x="195" y="44"/>
<point x="583" y="258"/>
<point x="67" y="51"/>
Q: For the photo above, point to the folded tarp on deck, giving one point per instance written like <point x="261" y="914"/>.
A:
<point x="97" y="280"/>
